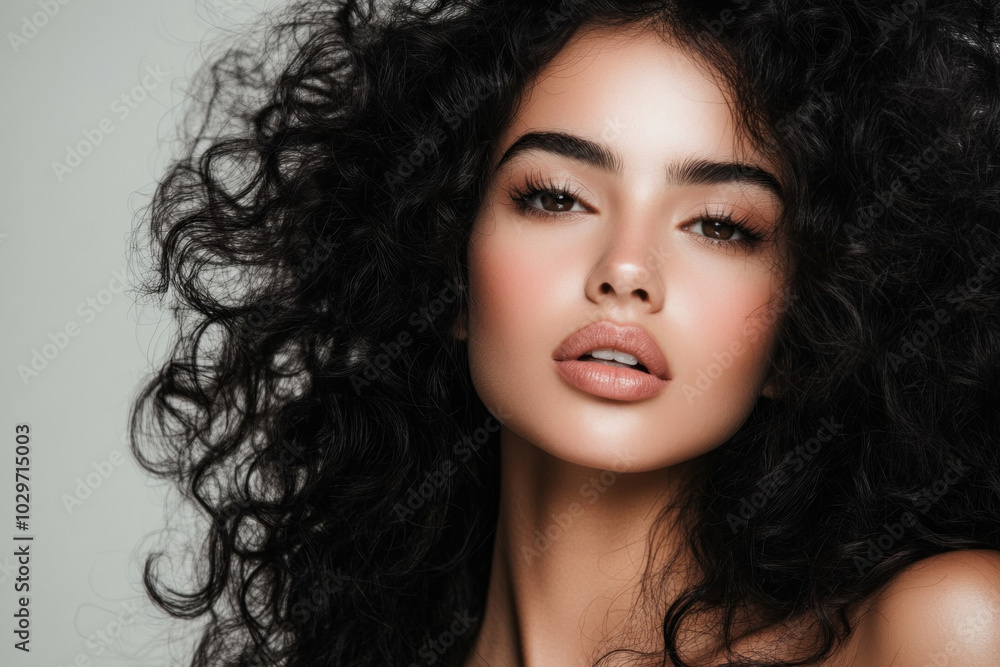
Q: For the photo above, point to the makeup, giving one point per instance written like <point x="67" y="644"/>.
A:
<point x="650" y="244"/>
<point x="578" y="360"/>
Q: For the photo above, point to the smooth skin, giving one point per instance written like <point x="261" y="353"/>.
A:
<point x="626" y="238"/>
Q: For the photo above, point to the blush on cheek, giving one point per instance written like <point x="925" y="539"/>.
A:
<point x="494" y="292"/>
<point x="496" y="319"/>
<point x="730" y="341"/>
<point x="515" y="275"/>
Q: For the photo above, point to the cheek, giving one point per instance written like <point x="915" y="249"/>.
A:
<point x="520" y="280"/>
<point x="507" y="310"/>
<point x="501" y="282"/>
<point x="728" y="337"/>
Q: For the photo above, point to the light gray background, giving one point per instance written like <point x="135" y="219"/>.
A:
<point x="64" y="240"/>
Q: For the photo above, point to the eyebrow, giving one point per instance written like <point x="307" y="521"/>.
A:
<point x="692" y="171"/>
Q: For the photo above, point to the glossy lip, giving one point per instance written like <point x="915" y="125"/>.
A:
<point x="611" y="381"/>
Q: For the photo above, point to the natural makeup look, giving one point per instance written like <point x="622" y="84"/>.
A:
<point x="622" y="195"/>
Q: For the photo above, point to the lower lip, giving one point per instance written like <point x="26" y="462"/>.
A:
<point x="620" y="384"/>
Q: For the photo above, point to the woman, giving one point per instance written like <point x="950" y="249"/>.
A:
<point x="600" y="332"/>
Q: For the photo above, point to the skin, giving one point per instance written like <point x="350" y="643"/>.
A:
<point x="583" y="477"/>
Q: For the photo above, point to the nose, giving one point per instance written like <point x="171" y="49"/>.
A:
<point x="627" y="272"/>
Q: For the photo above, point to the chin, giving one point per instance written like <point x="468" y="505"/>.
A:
<point x="618" y="450"/>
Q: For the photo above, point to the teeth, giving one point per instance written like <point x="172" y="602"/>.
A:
<point x="615" y="355"/>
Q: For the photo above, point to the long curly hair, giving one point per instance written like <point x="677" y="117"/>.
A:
<point x="310" y="243"/>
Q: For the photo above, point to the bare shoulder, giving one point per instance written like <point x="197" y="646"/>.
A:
<point x="942" y="610"/>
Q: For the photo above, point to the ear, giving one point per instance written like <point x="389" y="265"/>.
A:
<point x="770" y="388"/>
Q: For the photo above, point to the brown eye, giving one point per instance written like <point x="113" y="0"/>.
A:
<point x="547" y="199"/>
<point x="555" y="202"/>
<point x="717" y="229"/>
<point x="723" y="231"/>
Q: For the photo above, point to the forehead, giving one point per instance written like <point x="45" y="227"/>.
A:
<point x="631" y="88"/>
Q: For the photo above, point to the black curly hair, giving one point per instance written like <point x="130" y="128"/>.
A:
<point x="311" y="245"/>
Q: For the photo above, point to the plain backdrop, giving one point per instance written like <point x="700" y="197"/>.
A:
<point x="91" y="94"/>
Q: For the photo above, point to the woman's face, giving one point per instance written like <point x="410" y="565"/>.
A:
<point x="614" y="231"/>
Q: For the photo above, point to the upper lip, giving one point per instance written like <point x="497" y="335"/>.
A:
<point x="629" y="338"/>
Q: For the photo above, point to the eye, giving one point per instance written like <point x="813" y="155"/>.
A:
<point x="546" y="199"/>
<point x="549" y="200"/>
<point x="724" y="230"/>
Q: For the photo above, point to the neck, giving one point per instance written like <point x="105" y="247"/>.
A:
<point x="571" y="548"/>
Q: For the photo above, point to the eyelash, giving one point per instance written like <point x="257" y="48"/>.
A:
<point x="533" y="187"/>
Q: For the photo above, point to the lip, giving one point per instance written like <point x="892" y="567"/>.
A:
<point x="608" y="381"/>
